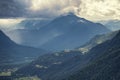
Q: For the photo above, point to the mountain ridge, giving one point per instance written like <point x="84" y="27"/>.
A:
<point x="59" y="66"/>
<point x="62" y="31"/>
<point x="15" y="51"/>
<point x="106" y="66"/>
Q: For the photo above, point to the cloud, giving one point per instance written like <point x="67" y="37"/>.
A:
<point x="100" y="9"/>
<point x="53" y="7"/>
<point x="10" y="23"/>
<point x="11" y="8"/>
<point x="94" y="10"/>
<point x="90" y="9"/>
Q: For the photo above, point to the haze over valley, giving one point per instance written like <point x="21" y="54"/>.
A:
<point x="59" y="40"/>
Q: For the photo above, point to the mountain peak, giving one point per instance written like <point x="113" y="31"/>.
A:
<point x="70" y="18"/>
<point x="68" y="14"/>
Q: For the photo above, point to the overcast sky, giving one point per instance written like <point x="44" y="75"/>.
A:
<point x="94" y="10"/>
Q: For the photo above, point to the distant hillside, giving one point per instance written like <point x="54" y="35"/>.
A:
<point x="98" y="39"/>
<point x="112" y="24"/>
<point x="11" y="52"/>
<point x="53" y="66"/>
<point x="33" y="24"/>
<point x="106" y="66"/>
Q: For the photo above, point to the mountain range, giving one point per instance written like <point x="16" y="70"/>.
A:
<point x="73" y="65"/>
<point x="105" y="67"/>
<point x="33" y="24"/>
<point x="112" y="24"/>
<point x="98" y="39"/>
<point x="64" y="32"/>
<point x="67" y="47"/>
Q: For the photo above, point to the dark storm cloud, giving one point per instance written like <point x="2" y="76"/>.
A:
<point x="9" y="8"/>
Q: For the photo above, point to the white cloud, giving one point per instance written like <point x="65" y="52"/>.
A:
<point x="52" y="8"/>
<point x="100" y="9"/>
<point x="9" y="23"/>
<point x="94" y="10"/>
<point x="89" y="9"/>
